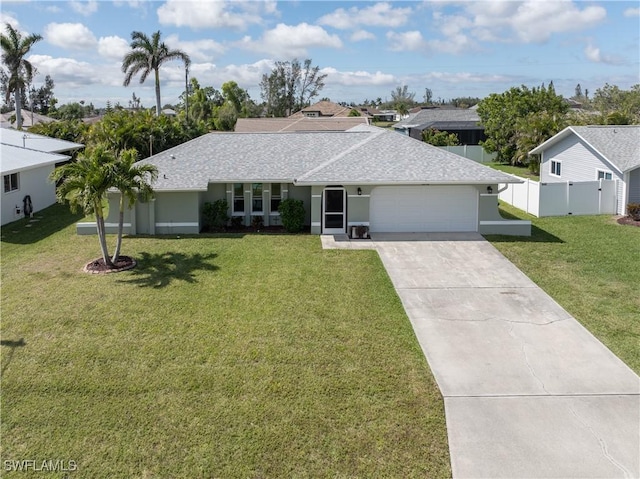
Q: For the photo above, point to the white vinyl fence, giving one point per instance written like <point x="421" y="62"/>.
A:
<point x="472" y="152"/>
<point x="562" y="198"/>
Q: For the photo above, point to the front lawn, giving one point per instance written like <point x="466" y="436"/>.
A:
<point x="231" y="356"/>
<point x="520" y="171"/>
<point x="591" y="266"/>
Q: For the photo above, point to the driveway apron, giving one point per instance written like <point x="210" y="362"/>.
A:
<point x="528" y="391"/>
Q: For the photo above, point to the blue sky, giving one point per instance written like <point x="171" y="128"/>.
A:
<point x="454" y="48"/>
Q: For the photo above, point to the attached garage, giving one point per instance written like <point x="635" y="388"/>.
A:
<point x="418" y="209"/>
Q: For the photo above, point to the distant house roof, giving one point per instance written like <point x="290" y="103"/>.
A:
<point x="29" y="118"/>
<point x="324" y="108"/>
<point x="16" y="158"/>
<point x="263" y="125"/>
<point x="451" y="125"/>
<point x="619" y="144"/>
<point x="430" y="115"/>
<point x="362" y="155"/>
<point x="31" y="141"/>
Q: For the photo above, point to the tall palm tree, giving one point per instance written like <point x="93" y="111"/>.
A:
<point x="14" y="48"/>
<point x="84" y="184"/>
<point x="133" y="182"/>
<point x="147" y="55"/>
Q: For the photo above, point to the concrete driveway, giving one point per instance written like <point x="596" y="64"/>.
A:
<point x="528" y="391"/>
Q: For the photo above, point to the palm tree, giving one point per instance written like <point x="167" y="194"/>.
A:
<point x="84" y="184"/>
<point x="147" y="55"/>
<point x="133" y="182"/>
<point x="14" y="48"/>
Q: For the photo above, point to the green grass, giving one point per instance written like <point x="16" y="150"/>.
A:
<point x="230" y="356"/>
<point x="591" y="266"/>
<point x="520" y="171"/>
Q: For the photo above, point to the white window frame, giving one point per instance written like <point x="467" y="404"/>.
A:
<point x="261" y="212"/>
<point x="12" y="187"/>
<point x="554" y="165"/>
<point x="604" y="174"/>
<point x="271" y="210"/>
<point x="233" y="200"/>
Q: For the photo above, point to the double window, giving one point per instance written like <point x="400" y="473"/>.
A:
<point x="276" y="196"/>
<point x="238" y="198"/>
<point x="604" y="175"/>
<point x="11" y="182"/>
<point x="256" y="198"/>
<point x="556" y="167"/>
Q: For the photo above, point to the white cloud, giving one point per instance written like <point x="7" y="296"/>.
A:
<point x="534" y="21"/>
<point x="113" y="47"/>
<point x="71" y="73"/>
<point x="408" y="41"/>
<point x="595" y="55"/>
<point x="358" y="78"/>
<point x="376" y="15"/>
<point x="361" y="35"/>
<point x="86" y="7"/>
<point x="73" y="36"/>
<point x="214" y="14"/>
<point x="632" y="12"/>
<point x="286" y="41"/>
<point x="7" y="18"/>
<point x="199" y="50"/>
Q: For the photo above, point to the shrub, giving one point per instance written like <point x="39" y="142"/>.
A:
<point x="215" y="215"/>
<point x="292" y="215"/>
<point x="257" y="222"/>
<point x="237" y="222"/>
<point x="633" y="210"/>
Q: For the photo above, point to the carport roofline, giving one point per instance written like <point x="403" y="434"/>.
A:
<point x="414" y="183"/>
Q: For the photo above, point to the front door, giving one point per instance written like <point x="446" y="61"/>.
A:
<point x="334" y="211"/>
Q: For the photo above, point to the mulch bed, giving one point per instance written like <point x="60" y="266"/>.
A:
<point x="97" y="266"/>
<point x="627" y="220"/>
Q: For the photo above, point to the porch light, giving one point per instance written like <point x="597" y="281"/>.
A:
<point x="359" y="191"/>
<point x="489" y="190"/>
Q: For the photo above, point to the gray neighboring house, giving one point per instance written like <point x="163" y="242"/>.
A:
<point x="464" y="122"/>
<point x="27" y="162"/>
<point x="365" y="176"/>
<point x="588" y="153"/>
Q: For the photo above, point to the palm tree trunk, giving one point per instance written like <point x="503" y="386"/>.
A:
<point x="157" y="72"/>
<point x="102" y="235"/>
<point x="18" y="98"/>
<point x="116" y="253"/>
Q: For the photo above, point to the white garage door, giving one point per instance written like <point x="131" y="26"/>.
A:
<point x="412" y="209"/>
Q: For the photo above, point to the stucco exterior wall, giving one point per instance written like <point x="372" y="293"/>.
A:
<point x="33" y="182"/>
<point x="177" y="213"/>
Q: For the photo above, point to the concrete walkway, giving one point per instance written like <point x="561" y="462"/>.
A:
<point x="528" y="391"/>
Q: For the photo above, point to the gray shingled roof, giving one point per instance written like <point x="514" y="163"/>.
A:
<point x="361" y="155"/>
<point x="620" y="145"/>
<point x="430" y="115"/>
<point x="263" y="125"/>
<point x="31" y="141"/>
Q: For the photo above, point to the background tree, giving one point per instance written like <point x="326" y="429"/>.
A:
<point x="531" y="131"/>
<point x="42" y="99"/>
<point x="290" y="87"/>
<point x="20" y="72"/>
<point x="610" y="99"/>
<point x="133" y="182"/>
<point x="428" y="96"/>
<point x="69" y="111"/>
<point x="439" y="138"/>
<point x="500" y="114"/>
<point x="401" y="94"/>
<point x="225" y="117"/>
<point x="148" y="55"/>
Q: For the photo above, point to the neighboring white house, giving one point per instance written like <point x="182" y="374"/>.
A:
<point x="589" y="153"/>
<point x="27" y="162"/>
